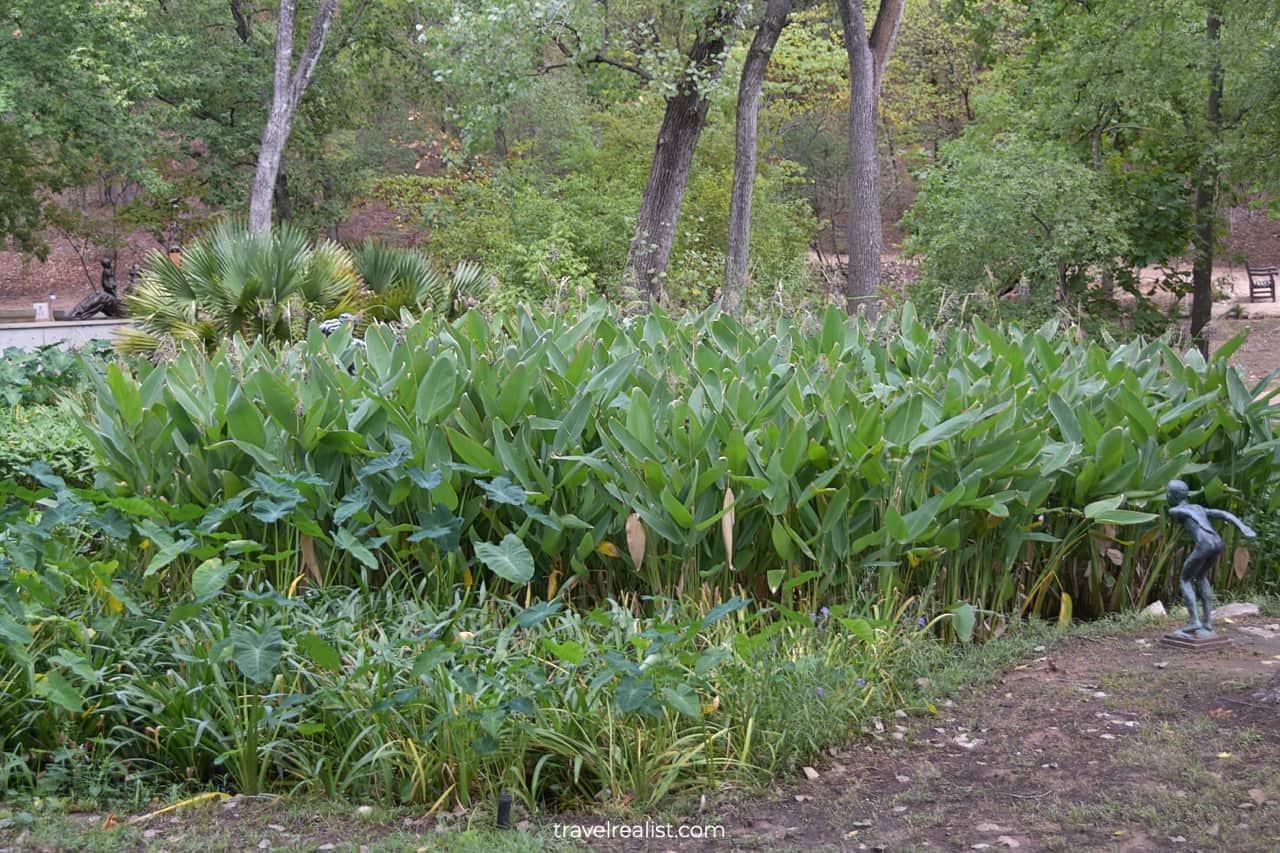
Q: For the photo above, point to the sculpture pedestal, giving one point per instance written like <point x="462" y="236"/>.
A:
<point x="1197" y="644"/>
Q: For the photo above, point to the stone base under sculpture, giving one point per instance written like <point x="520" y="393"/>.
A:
<point x="1196" y="643"/>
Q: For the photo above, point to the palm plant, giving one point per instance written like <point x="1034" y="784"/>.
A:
<point x="265" y="287"/>
<point x="403" y="280"/>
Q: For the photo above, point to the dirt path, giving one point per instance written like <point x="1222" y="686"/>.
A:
<point x="1111" y="743"/>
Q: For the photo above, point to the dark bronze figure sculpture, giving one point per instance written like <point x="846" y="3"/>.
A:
<point x="1198" y="567"/>
<point x="106" y="302"/>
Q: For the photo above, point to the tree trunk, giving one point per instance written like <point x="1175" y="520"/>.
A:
<point x="282" y="199"/>
<point x="1206" y="198"/>
<point x="682" y="124"/>
<point x="738" y="253"/>
<point x="289" y="85"/>
<point x="1108" y="284"/>
<point x="868" y="57"/>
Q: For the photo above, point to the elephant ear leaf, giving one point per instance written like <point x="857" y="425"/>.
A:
<point x="509" y="560"/>
<point x="964" y="618"/>
<point x="257" y="653"/>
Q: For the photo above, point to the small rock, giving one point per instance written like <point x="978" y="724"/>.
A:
<point x="899" y="735"/>
<point x="810" y="773"/>
<point x="327" y="846"/>
<point x="1239" y="608"/>
<point x="923" y="683"/>
<point x="903" y="779"/>
<point x="1099" y="695"/>
<point x="1040" y="649"/>
<point x="862" y="824"/>
<point x="264" y="844"/>
<point x="877" y="724"/>
<point x="1247" y="805"/>
<point x="964" y="742"/>
<point x="899" y="809"/>
<point x="523" y="826"/>
<point x="1177" y="839"/>
<point x="989" y="827"/>
<point x="803" y="798"/>
<point x="900" y="714"/>
<point x="980" y="846"/>
<point x="150" y="834"/>
<point x="364" y="811"/>
<point x="277" y="827"/>
<point x="1155" y="610"/>
<point x="1161" y="664"/>
<point x="1009" y="841"/>
<point x="1258" y="795"/>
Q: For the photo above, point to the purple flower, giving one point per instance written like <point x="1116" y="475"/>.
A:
<point x="920" y="622"/>
<point x="813" y="617"/>
<point x="825" y="612"/>
<point x="862" y="682"/>
<point x="820" y="691"/>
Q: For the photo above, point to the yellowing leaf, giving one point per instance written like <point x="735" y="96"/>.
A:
<point x="1240" y="562"/>
<point x="608" y="549"/>
<point x="712" y="706"/>
<point x="307" y="555"/>
<point x="635" y="538"/>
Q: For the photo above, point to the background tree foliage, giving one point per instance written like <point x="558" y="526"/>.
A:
<point x="520" y="133"/>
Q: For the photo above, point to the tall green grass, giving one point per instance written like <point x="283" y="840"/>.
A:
<point x="1007" y="469"/>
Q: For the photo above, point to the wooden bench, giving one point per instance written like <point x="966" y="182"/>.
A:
<point x="1262" y="282"/>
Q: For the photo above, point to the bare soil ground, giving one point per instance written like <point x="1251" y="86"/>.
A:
<point x="1099" y="742"/>
<point x="1109" y="743"/>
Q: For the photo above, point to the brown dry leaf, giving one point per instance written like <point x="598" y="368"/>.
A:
<point x="110" y="821"/>
<point x="1240" y="562"/>
<point x="307" y="553"/>
<point x="635" y="538"/>
<point x="1221" y="713"/>
<point x="726" y="527"/>
<point x="1115" y="555"/>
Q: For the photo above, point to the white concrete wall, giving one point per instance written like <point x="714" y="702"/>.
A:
<point x="69" y="334"/>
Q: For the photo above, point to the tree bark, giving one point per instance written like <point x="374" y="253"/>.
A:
<point x="682" y="123"/>
<point x="868" y="57"/>
<point x="244" y="21"/>
<point x="738" y="252"/>
<point x="289" y="85"/>
<point x="1206" y="198"/>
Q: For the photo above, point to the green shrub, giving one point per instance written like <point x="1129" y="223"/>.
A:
<point x="556" y="219"/>
<point x="396" y="280"/>
<point x="265" y="287"/>
<point x="1000" y="468"/>
<point x="383" y="695"/>
<point x="39" y="377"/>
<point x="53" y="434"/>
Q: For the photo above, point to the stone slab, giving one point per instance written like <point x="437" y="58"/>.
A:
<point x="1195" y="644"/>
